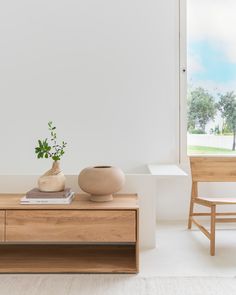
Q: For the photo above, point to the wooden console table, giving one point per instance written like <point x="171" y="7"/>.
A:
<point x="83" y="237"/>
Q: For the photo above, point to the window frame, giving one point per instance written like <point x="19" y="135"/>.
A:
<point x="183" y="155"/>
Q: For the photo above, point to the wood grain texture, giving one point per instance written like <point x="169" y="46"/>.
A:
<point x="217" y="214"/>
<point x="70" y="226"/>
<point x="213" y="169"/>
<point x="219" y="201"/>
<point x="80" y="202"/>
<point x="43" y="234"/>
<point x="194" y="195"/>
<point x="202" y="202"/>
<point x="67" y="259"/>
<point x="213" y="229"/>
<point x="2" y="226"/>
<point x="137" y="241"/>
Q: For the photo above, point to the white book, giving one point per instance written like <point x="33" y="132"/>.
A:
<point x="50" y="201"/>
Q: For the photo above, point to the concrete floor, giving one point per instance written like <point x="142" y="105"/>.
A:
<point x="181" y="252"/>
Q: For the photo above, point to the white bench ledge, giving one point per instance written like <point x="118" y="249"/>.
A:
<point x="166" y="170"/>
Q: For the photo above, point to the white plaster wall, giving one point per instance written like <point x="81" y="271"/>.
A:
<point x="106" y="72"/>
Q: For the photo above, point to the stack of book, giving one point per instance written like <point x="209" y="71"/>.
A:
<point x="35" y="197"/>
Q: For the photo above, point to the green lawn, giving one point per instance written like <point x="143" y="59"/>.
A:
<point x="194" y="149"/>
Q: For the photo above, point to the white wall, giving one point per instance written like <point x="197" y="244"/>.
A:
<point x="106" y="72"/>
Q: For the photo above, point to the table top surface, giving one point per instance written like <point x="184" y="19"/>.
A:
<point x="80" y="202"/>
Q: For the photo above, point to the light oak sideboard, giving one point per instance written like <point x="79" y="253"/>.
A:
<point x="83" y="237"/>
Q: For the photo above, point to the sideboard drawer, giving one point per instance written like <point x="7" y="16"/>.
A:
<point x="70" y="226"/>
<point x="2" y="225"/>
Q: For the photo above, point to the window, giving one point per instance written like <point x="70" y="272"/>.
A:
<point x="211" y="76"/>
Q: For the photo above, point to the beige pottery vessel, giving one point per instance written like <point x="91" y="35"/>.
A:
<point x="101" y="182"/>
<point x="53" y="180"/>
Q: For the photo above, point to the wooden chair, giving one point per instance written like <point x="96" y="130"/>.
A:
<point x="211" y="169"/>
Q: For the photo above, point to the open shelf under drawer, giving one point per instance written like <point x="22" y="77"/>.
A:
<point x="57" y="258"/>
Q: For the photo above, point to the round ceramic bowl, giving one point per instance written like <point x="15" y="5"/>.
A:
<point x="101" y="182"/>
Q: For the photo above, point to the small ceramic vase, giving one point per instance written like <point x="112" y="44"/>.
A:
<point x="53" y="180"/>
<point x="101" y="182"/>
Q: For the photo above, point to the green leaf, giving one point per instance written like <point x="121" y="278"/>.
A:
<point x="47" y="150"/>
<point x="56" y="158"/>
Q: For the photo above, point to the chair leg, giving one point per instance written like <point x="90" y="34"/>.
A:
<point x="190" y="214"/>
<point x="193" y="196"/>
<point x="212" y="234"/>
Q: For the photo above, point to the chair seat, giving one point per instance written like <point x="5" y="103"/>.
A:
<point x="219" y="201"/>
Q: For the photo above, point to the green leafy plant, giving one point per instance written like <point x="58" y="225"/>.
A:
<point x="201" y="109"/>
<point x="53" y="150"/>
<point x="227" y="107"/>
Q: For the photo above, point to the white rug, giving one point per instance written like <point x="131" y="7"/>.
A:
<point x="114" y="285"/>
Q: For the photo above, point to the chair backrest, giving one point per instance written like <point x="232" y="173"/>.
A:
<point x="213" y="169"/>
